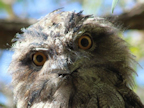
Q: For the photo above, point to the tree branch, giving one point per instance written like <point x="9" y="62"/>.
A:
<point x="9" y="28"/>
<point x="133" y="19"/>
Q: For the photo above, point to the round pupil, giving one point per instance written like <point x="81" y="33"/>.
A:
<point x="39" y="58"/>
<point x="84" y="42"/>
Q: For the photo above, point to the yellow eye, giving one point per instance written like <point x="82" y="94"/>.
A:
<point x="84" y="42"/>
<point x="39" y="58"/>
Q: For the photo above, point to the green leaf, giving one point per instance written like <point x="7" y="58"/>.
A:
<point x="114" y="3"/>
<point x="2" y="106"/>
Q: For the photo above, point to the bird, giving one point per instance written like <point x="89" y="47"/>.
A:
<point x="71" y="60"/>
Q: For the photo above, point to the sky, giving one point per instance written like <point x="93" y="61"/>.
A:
<point x="36" y="10"/>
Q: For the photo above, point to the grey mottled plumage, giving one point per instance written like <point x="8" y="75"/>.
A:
<point x="53" y="66"/>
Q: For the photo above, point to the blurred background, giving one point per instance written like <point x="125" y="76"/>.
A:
<point x="17" y="14"/>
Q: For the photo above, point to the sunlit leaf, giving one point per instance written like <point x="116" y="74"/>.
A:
<point x="2" y="106"/>
<point x="114" y="3"/>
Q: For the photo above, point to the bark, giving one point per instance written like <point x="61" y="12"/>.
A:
<point x="132" y="19"/>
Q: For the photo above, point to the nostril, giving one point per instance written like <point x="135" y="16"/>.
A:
<point x="70" y="45"/>
<point x="62" y="75"/>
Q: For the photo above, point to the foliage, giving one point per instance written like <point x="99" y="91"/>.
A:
<point x="114" y="3"/>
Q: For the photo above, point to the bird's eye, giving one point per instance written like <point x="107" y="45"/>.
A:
<point x="84" y="42"/>
<point x="39" y="58"/>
